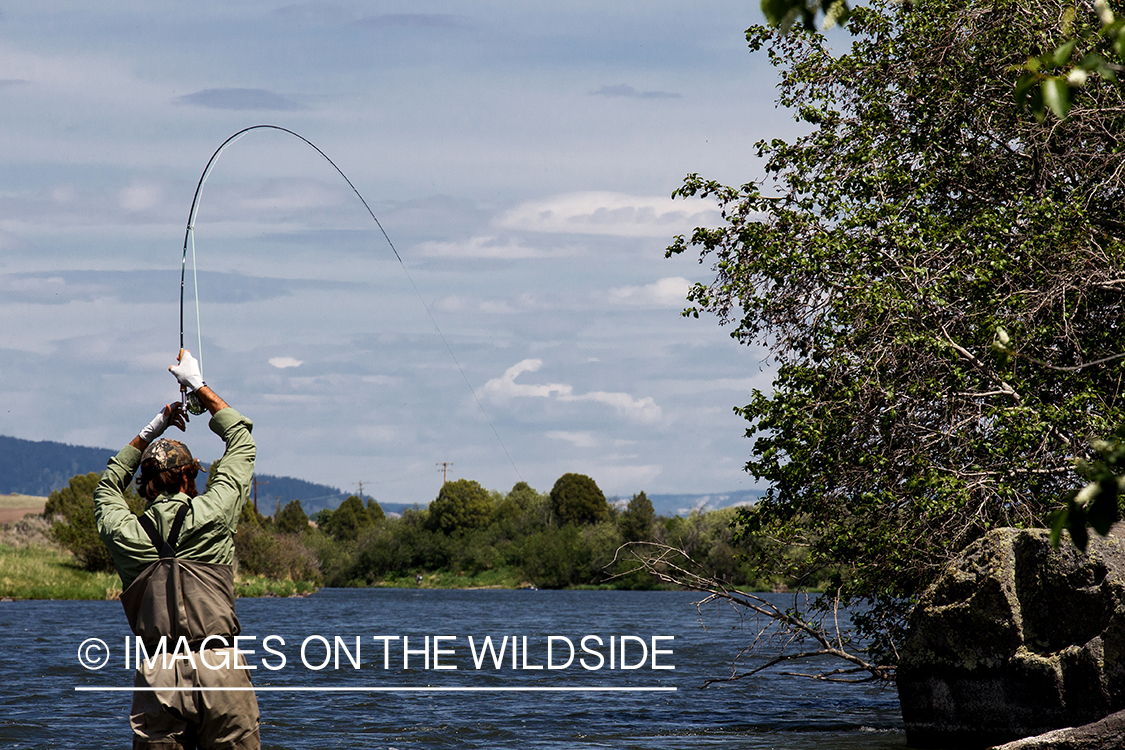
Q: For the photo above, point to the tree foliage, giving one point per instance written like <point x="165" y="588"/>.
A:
<point x="460" y="505"/>
<point x="347" y="521"/>
<point x="75" y="527"/>
<point x="577" y="499"/>
<point x="375" y="511"/>
<point x="1093" y="45"/>
<point x="636" y="521"/>
<point x="939" y="280"/>
<point x="292" y="519"/>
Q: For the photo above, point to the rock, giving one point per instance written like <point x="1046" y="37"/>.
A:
<point x="1107" y="734"/>
<point x="1016" y="639"/>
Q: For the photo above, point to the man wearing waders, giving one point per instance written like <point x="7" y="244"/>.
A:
<point x="175" y="566"/>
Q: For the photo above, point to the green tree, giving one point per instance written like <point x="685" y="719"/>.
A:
<point x="348" y="520"/>
<point x="577" y="499"/>
<point x="523" y="495"/>
<point x="375" y="511"/>
<point x="637" y="520"/>
<point x="74" y="527"/>
<point x="292" y="519"/>
<point x="885" y="260"/>
<point x="460" y="505"/>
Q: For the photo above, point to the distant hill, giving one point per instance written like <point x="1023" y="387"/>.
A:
<point x="30" y="467"/>
<point x="39" y="467"/>
<point x="682" y="505"/>
<point x="313" y="497"/>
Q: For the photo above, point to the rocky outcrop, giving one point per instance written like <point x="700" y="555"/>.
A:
<point x="1016" y="639"/>
<point x="1107" y="734"/>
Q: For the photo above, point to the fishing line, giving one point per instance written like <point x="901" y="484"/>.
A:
<point x="189" y="240"/>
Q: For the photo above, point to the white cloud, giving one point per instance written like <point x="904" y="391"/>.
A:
<point x="578" y="439"/>
<point x="669" y="292"/>
<point x="505" y="388"/>
<point x="481" y="247"/>
<point x="455" y="303"/>
<point x="286" y="196"/>
<point x="496" y="307"/>
<point x="282" y="362"/>
<point x="377" y="433"/>
<point x="140" y="196"/>
<point x="626" y="476"/>
<point x="611" y="214"/>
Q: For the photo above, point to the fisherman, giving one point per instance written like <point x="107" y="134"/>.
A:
<point x="175" y="562"/>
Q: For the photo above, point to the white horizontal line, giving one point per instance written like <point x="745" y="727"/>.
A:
<point x="86" y="689"/>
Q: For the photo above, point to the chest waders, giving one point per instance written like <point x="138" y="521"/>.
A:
<point x="175" y="597"/>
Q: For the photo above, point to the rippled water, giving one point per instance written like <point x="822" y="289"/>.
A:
<point x="39" y="670"/>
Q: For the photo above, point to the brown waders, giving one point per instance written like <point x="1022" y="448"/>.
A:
<point x="177" y="598"/>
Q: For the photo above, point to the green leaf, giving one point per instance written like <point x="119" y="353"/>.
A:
<point x="1066" y="23"/>
<point x="1102" y="510"/>
<point x="1057" y="96"/>
<point x="1057" y="521"/>
<point x="1023" y="88"/>
<point x="1063" y="53"/>
<point x="1076" y="525"/>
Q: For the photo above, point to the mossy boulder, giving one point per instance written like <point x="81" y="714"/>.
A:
<point x="1016" y="639"/>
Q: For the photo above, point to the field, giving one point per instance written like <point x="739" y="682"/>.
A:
<point x="15" y="506"/>
<point x="39" y="571"/>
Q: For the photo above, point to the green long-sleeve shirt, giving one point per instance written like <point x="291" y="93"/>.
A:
<point x="208" y="531"/>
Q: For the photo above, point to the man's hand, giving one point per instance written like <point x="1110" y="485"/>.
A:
<point x="187" y="372"/>
<point x="171" y="414"/>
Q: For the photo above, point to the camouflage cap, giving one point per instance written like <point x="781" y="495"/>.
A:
<point x="164" y="454"/>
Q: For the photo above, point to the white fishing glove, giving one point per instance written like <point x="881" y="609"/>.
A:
<point x="171" y="414"/>
<point x="187" y="372"/>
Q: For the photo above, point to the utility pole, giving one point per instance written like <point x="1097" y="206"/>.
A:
<point x="360" y="485"/>
<point x="444" y="470"/>
<point x="256" y="483"/>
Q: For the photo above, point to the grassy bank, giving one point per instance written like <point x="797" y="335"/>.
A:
<point x="46" y="572"/>
<point x="498" y="578"/>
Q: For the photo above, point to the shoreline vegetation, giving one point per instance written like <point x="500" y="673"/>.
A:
<point x="468" y="538"/>
<point x="32" y="566"/>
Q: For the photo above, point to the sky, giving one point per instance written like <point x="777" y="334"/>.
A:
<point x="521" y="158"/>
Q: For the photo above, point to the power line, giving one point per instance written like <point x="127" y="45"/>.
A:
<point x="444" y="470"/>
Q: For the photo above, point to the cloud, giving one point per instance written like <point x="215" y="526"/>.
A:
<point x="669" y="292"/>
<point x="480" y="247"/>
<point x="496" y="307"/>
<point x="625" y="90"/>
<point x="505" y="388"/>
<point x="140" y="196"/>
<point x="11" y="83"/>
<point x="455" y="303"/>
<point x="626" y="475"/>
<point x="282" y="362"/>
<point x="314" y="12"/>
<point x="613" y="214"/>
<point x="413" y="21"/>
<point x="247" y="99"/>
<point x="578" y="439"/>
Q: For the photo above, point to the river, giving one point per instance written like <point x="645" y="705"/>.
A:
<point x="381" y="704"/>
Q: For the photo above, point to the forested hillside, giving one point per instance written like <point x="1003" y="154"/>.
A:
<point x="31" y="467"/>
<point x="39" y="467"/>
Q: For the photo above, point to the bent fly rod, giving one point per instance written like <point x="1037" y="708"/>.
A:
<point x="191" y="403"/>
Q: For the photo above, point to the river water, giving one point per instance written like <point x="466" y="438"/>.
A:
<point x="40" y="669"/>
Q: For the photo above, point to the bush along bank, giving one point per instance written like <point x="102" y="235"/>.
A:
<point x="468" y="537"/>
